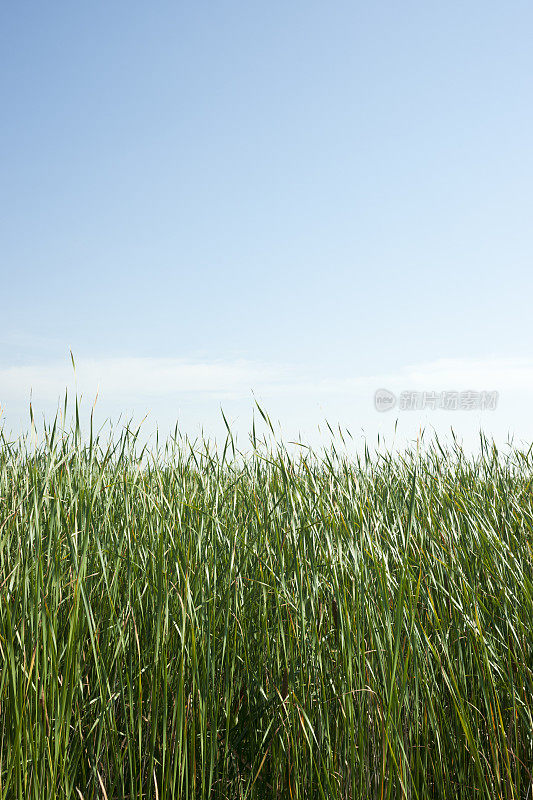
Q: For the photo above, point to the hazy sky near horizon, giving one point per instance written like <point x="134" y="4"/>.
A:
<point x="304" y="200"/>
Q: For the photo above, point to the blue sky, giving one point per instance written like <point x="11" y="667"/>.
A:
<point x="307" y="199"/>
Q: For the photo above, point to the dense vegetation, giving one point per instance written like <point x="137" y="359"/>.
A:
<point x="187" y="624"/>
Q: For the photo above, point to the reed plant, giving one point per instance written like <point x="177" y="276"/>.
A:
<point x="187" y="622"/>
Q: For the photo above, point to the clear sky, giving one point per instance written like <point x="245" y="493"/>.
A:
<point x="302" y="199"/>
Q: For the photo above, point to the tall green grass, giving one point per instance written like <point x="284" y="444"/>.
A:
<point x="193" y="624"/>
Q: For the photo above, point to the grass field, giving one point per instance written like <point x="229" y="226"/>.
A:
<point x="188" y="624"/>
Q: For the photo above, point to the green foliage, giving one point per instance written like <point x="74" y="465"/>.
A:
<point x="189" y="625"/>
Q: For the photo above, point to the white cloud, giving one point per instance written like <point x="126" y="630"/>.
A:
<point x="140" y="377"/>
<point x="497" y="373"/>
<point x="300" y="399"/>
